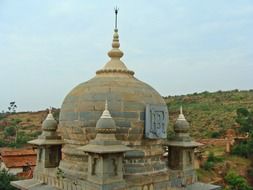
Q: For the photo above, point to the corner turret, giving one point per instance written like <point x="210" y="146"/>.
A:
<point x="105" y="155"/>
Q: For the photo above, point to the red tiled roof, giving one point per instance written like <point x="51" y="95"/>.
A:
<point x="17" y="152"/>
<point x="18" y="158"/>
<point x="18" y="161"/>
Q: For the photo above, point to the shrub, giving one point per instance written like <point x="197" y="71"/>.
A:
<point x="236" y="182"/>
<point x="210" y="162"/>
<point x="9" y="131"/>
<point x="2" y="143"/>
<point x="215" y="134"/>
<point x="208" y="165"/>
<point x="213" y="158"/>
<point x="22" y="139"/>
<point x="16" y="121"/>
<point x="5" y="179"/>
<point x="240" y="150"/>
<point x="28" y="120"/>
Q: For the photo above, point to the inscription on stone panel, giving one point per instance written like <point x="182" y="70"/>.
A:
<point x="156" y="122"/>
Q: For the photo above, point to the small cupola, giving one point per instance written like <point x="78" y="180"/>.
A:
<point x="105" y="155"/>
<point x="49" y="124"/>
<point x="181" y="125"/>
<point x="105" y="122"/>
<point x="48" y="144"/>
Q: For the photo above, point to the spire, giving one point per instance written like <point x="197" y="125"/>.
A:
<point x="50" y="115"/>
<point x="115" y="65"/>
<point x="49" y="123"/>
<point x="181" y="125"/>
<point x="116" y="52"/>
<point x="50" y="109"/>
<point x="106" y="124"/>
<point x="181" y="115"/>
<point x="106" y="113"/>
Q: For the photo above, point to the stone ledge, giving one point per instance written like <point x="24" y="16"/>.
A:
<point x="32" y="184"/>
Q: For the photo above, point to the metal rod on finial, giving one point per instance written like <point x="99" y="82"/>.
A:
<point x="116" y="9"/>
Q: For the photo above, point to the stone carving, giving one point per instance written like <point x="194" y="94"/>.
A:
<point x="156" y="121"/>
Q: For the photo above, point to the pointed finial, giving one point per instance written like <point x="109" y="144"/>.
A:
<point x="106" y="105"/>
<point x="115" y="65"/>
<point x="50" y="110"/>
<point x="181" y="115"/>
<point x="116" y="10"/>
<point x="50" y="115"/>
<point x="106" y="113"/>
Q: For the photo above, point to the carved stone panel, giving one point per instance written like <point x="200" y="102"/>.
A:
<point x="156" y="121"/>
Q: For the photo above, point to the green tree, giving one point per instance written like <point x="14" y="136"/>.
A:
<point x="5" y="179"/>
<point x="236" y="182"/>
<point x="241" y="149"/>
<point x="245" y="119"/>
<point x="12" y="107"/>
<point x="9" y="131"/>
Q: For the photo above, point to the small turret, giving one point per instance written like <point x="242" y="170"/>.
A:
<point x="181" y="125"/>
<point x="105" y="160"/>
<point x="182" y="128"/>
<point x="48" y="144"/>
<point x="181" y="150"/>
<point x="105" y="122"/>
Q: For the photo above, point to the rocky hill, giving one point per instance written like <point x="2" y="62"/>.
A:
<point x="210" y="113"/>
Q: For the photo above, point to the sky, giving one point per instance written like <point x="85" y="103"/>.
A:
<point x="47" y="47"/>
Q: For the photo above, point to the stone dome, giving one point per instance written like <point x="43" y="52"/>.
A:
<point x="181" y="125"/>
<point x="49" y="124"/>
<point x="127" y="99"/>
<point x="105" y="121"/>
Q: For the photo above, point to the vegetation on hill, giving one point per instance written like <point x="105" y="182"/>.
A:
<point x="233" y="171"/>
<point x="210" y="113"/>
<point x="17" y="128"/>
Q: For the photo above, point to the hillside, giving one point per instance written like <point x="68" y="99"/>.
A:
<point x="209" y="113"/>
<point x="28" y="125"/>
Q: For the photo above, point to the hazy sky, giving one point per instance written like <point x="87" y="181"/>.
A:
<point x="176" y="46"/>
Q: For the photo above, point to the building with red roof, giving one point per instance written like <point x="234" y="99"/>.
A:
<point x="20" y="162"/>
